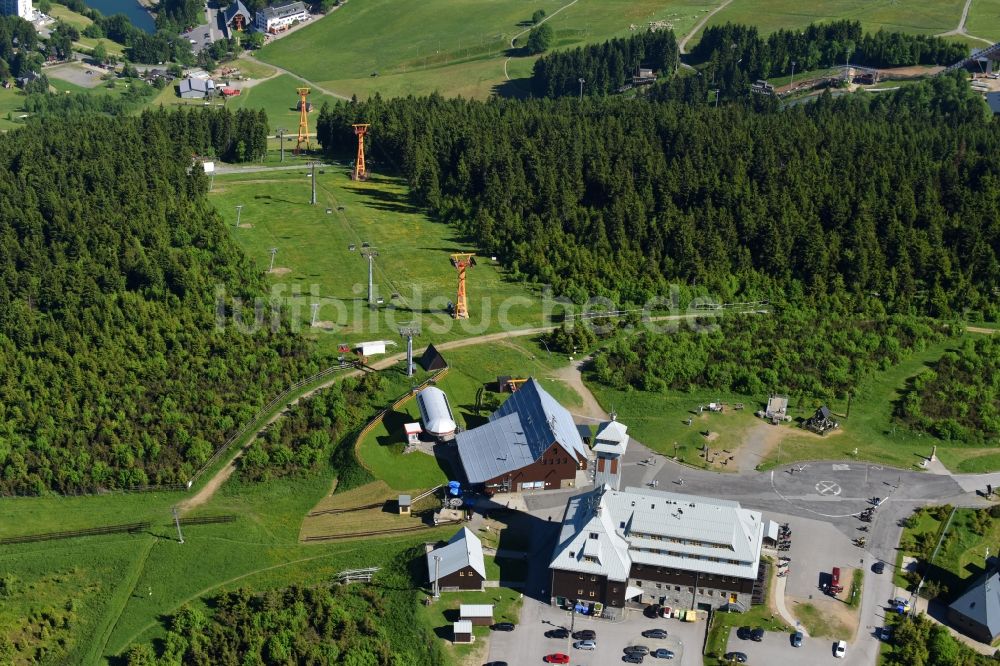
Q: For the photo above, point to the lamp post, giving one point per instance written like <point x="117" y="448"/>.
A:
<point x="437" y="570"/>
<point x="582" y="81"/>
<point x="239" y="209"/>
<point x="716" y="91"/>
<point x="791" y="85"/>
<point x="273" y="251"/>
<point x="281" y="141"/>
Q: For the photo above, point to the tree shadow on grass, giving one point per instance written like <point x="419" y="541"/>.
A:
<point x="393" y="422"/>
<point x="392" y="202"/>
<point x="519" y="88"/>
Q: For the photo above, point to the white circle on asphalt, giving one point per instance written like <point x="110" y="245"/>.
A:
<point x="828" y="488"/>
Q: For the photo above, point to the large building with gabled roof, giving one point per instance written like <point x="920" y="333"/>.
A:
<point x="977" y="612"/>
<point x="530" y="443"/>
<point x="459" y="565"/>
<point x="647" y="546"/>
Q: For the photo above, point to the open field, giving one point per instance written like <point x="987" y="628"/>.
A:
<point x="278" y="98"/>
<point x="11" y="106"/>
<point x="912" y="17"/>
<point x="413" y="260"/>
<point x="659" y="422"/>
<point x="461" y="46"/>
<point x="984" y="19"/>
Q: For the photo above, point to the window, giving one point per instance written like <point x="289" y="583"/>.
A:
<point x="593" y="535"/>
<point x="593" y="578"/>
<point x="677" y="588"/>
<point x="690" y="589"/>
<point x="722" y="594"/>
<point x="572" y="554"/>
<point x="461" y="573"/>
<point x="621" y="525"/>
<point x="614" y="589"/>
<point x="659" y="587"/>
<point x="581" y="576"/>
<point x="580" y="591"/>
<point x="591" y="594"/>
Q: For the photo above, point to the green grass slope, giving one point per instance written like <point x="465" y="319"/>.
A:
<point x="461" y="45"/>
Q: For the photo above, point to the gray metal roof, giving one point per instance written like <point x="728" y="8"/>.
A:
<point x="981" y="602"/>
<point x="618" y="528"/>
<point x="993" y="99"/>
<point x="283" y="10"/>
<point x="611" y="437"/>
<point x="475" y="610"/>
<point x="463" y="549"/>
<point x="236" y="8"/>
<point x="517" y="434"/>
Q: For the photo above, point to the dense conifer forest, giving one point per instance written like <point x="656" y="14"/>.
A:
<point x="891" y="195"/>
<point x="606" y="68"/>
<point x="113" y="370"/>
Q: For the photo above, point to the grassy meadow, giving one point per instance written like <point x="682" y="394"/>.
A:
<point x="984" y="19"/>
<point x="314" y="263"/>
<point x="461" y="46"/>
<point x="912" y="17"/>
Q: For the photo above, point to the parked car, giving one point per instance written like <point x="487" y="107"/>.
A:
<point x="659" y="634"/>
<point x="557" y="633"/>
<point x="585" y="645"/>
<point x="496" y="663"/>
<point x="662" y="653"/>
<point x="585" y="635"/>
<point x="743" y="633"/>
<point x="736" y="657"/>
<point x="884" y="633"/>
<point x="502" y="626"/>
<point x="633" y="658"/>
<point x="797" y="639"/>
<point x="900" y="604"/>
<point x="757" y="635"/>
<point x="840" y="649"/>
<point x="557" y="658"/>
<point x="652" y="610"/>
<point x="878" y="567"/>
<point x="637" y="649"/>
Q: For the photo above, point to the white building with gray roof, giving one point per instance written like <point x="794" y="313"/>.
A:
<point x="610" y="444"/>
<point x="530" y="443"/>
<point x="647" y="546"/>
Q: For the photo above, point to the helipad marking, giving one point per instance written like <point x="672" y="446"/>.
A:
<point x="828" y="488"/>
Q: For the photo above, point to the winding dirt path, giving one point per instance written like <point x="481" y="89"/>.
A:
<point x="682" y="45"/>
<point x="960" y="29"/>
<point x="572" y="376"/>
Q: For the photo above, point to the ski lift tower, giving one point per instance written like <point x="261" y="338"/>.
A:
<point x="462" y="261"/>
<point x="409" y="332"/>
<point x="303" y="139"/>
<point x="360" y="171"/>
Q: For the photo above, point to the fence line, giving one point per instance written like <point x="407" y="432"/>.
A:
<point x="396" y="404"/>
<point x="70" y="534"/>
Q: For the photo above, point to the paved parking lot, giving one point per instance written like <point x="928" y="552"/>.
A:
<point x="776" y="648"/>
<point x="528" y="645"/>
